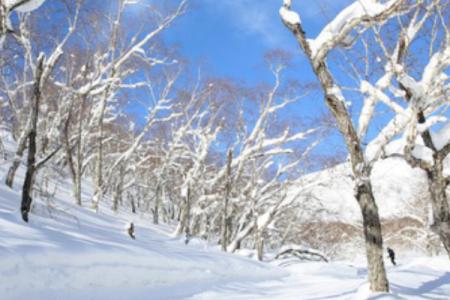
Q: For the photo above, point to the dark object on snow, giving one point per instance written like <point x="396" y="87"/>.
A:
<point x="131" y="231"/>
<point x="188" y="236"/>
<point x="391" y="254"/>
<point x="302" y="254"/>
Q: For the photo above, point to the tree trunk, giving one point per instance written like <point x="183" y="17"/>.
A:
<point x="29" y="176"/>
<point x="373" y="238"/>
<point x="22" y="145"/>
<point x="437" y="183"/>
<point x="157" y="205"/>
<point x="187" y="217"/>
<point x="119" y="189"/>
<point x="69" y="157"/>
<point x="79" y="156"/>
<point x="259" y="244"/>
<point x="3" y="20"/>
<point x="360" y="169"/>
<point x="77" y="189"/>
<point x="98" y="193"/>
<point x="133" y="205"/>
<point x="240" y="236"/>
<point x="183" y="224"/>
<point x="31" y="161"/>
<point x="3" y="150"/>
<point x="224" y="233"/>
<point x="439" y="203"/>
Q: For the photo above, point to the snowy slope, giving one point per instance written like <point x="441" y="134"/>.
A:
<point x="90" y="257"/>
<point x="71" y="252"/>
<point x="395" y="184"/>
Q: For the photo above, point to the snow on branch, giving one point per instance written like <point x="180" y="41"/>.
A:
<point x="137" y="47"/>
<point x="442" y="137"/>
<point x="361" y="12"/>
<point x="370" y="101"/>
<point x="287" y="15"/>
<point x="23" y="6"/>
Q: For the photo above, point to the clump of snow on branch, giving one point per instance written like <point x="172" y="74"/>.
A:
<point x="24" y="6"/>
<point x="442" y="137"/>
<point x="288" y="16"/>
<point x="338" y="29"/>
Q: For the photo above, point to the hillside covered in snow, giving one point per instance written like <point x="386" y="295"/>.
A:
<point x="397" y="187"/>
<point x="145" y="154"/>
<point x="402" y="198"/>
<point x="72" y="252"/>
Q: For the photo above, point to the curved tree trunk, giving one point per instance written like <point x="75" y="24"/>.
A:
<point x="243" y="232"/>
<point x="360" y="168"/>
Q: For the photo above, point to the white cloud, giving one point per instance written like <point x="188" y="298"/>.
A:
<point x="260" y="17"/>
<point x="252" y="17"/>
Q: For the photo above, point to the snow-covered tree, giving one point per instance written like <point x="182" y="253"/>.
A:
<point x="247" y="192"/>
<point x="70" y="101"/>
<point x="418" y="96"/>
<point x="354" y="18"/>
<point x="114" y="67"/>
<point x="39" y="69"/>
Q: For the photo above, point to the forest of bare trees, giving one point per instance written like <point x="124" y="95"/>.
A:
<point x="188" y="157"/>
<point x="93" y="93"/>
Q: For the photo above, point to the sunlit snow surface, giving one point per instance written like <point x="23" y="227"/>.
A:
<point x="68" y="252"/>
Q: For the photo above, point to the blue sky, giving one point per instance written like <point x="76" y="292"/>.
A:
<point x="230" y="37"/>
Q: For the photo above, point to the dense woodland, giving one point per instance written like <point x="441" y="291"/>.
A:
<point x="92" y="93"/>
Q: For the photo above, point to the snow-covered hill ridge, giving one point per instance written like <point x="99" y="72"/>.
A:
<point x="333" y="217"/>
<point x="397" y="188"/>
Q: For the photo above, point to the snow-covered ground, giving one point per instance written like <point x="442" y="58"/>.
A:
<point x="418" y="278"/>
<point x="70" y="252"/>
